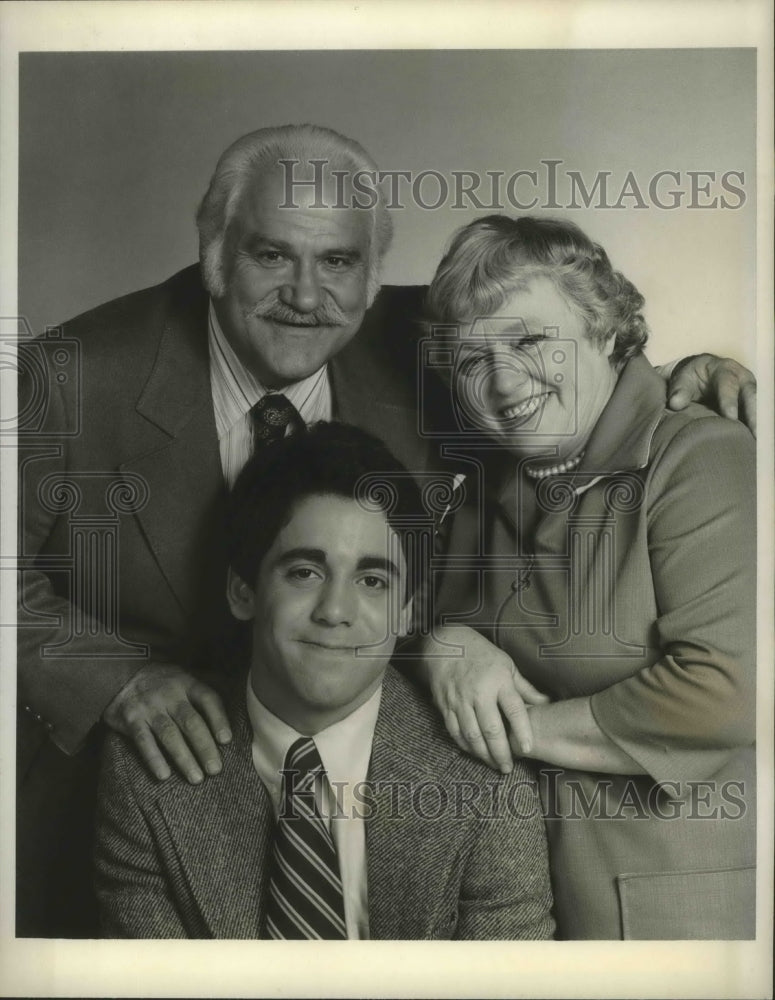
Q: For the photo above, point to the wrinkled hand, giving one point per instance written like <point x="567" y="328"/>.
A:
<point x="720" y="383"/>
<point x="163" y="707"/>
<point x="479" y="694"/>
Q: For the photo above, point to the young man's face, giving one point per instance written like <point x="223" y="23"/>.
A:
<point x="327" y="607"/>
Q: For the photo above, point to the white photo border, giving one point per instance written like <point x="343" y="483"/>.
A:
<point x="545" y="969"/>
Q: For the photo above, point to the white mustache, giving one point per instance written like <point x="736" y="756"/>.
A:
<point x="326" y="314"/>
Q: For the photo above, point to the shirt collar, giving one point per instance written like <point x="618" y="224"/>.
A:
<point x="235" y="389"/>
<point x="344" y="747"/>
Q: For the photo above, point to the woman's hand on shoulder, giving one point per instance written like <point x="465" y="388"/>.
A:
<point x="481" y="695"/>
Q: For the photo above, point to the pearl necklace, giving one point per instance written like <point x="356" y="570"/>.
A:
<point x="555" y="470"/>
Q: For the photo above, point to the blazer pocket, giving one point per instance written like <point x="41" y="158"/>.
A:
<point x="703" y="905"/>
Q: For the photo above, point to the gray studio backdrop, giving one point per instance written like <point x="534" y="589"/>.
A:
<point x="116" y="150"/>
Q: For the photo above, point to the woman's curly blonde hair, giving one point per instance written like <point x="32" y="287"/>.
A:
<point x="493" y="258"/>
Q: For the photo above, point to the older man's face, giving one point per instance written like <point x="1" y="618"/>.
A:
<point x="296" y="281"/>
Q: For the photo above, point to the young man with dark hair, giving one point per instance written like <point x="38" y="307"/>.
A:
<point x="344" y="810"/>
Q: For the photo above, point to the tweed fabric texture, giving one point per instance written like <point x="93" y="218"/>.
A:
<point x="176" y="860"/>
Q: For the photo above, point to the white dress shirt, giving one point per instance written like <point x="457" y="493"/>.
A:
<point x="345" y="750"/>
<point x="235" y="391"/>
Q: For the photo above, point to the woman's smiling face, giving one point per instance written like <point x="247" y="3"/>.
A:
<point x="529" y="376"/>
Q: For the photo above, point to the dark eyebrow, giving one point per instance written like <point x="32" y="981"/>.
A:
<point x="312" y="555"/>
<point x="319" y="556"/>
<point x="375" y="562"/>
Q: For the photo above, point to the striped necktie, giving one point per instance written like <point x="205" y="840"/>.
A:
<point x="305" y="888"/>
<point x="270" y="418"/>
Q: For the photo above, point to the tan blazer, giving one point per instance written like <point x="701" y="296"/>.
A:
<point x="175" y="860"/>
<point x="633" y="581"/>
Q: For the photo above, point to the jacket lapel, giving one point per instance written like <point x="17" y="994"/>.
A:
<point x="374" y="383"/>
<point x="221" y="832"/>
<point x="181" y="466"/>
<point x="412" y="860"/>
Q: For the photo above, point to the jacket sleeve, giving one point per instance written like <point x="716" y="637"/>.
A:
<point x="505" y="890"/>
<point x="686" y="715"/>
<point x="133" y="887"/>
<point x="64" y="683"/>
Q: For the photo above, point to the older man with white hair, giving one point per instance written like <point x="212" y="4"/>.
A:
<point x="283" y="323"/>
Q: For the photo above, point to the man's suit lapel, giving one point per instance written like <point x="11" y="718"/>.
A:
<point x="221" y="832"/>
<point x="227" y="869"/>
<point x="179" y="457"/>
<point x="412" y="859"/>
<point x="400" y="906"/>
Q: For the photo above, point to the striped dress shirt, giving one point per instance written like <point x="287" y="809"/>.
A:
<point x="235" y="391"/>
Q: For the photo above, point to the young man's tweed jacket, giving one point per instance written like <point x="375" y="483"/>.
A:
<point x="175" y="860"/>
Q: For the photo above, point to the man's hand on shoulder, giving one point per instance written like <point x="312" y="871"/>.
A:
<point x="720" y="383"/>
<point x="162" y="710"/>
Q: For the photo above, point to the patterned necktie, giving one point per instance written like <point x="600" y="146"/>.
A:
<point x="271" y="417"/>
<point x="305" y="889"/>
